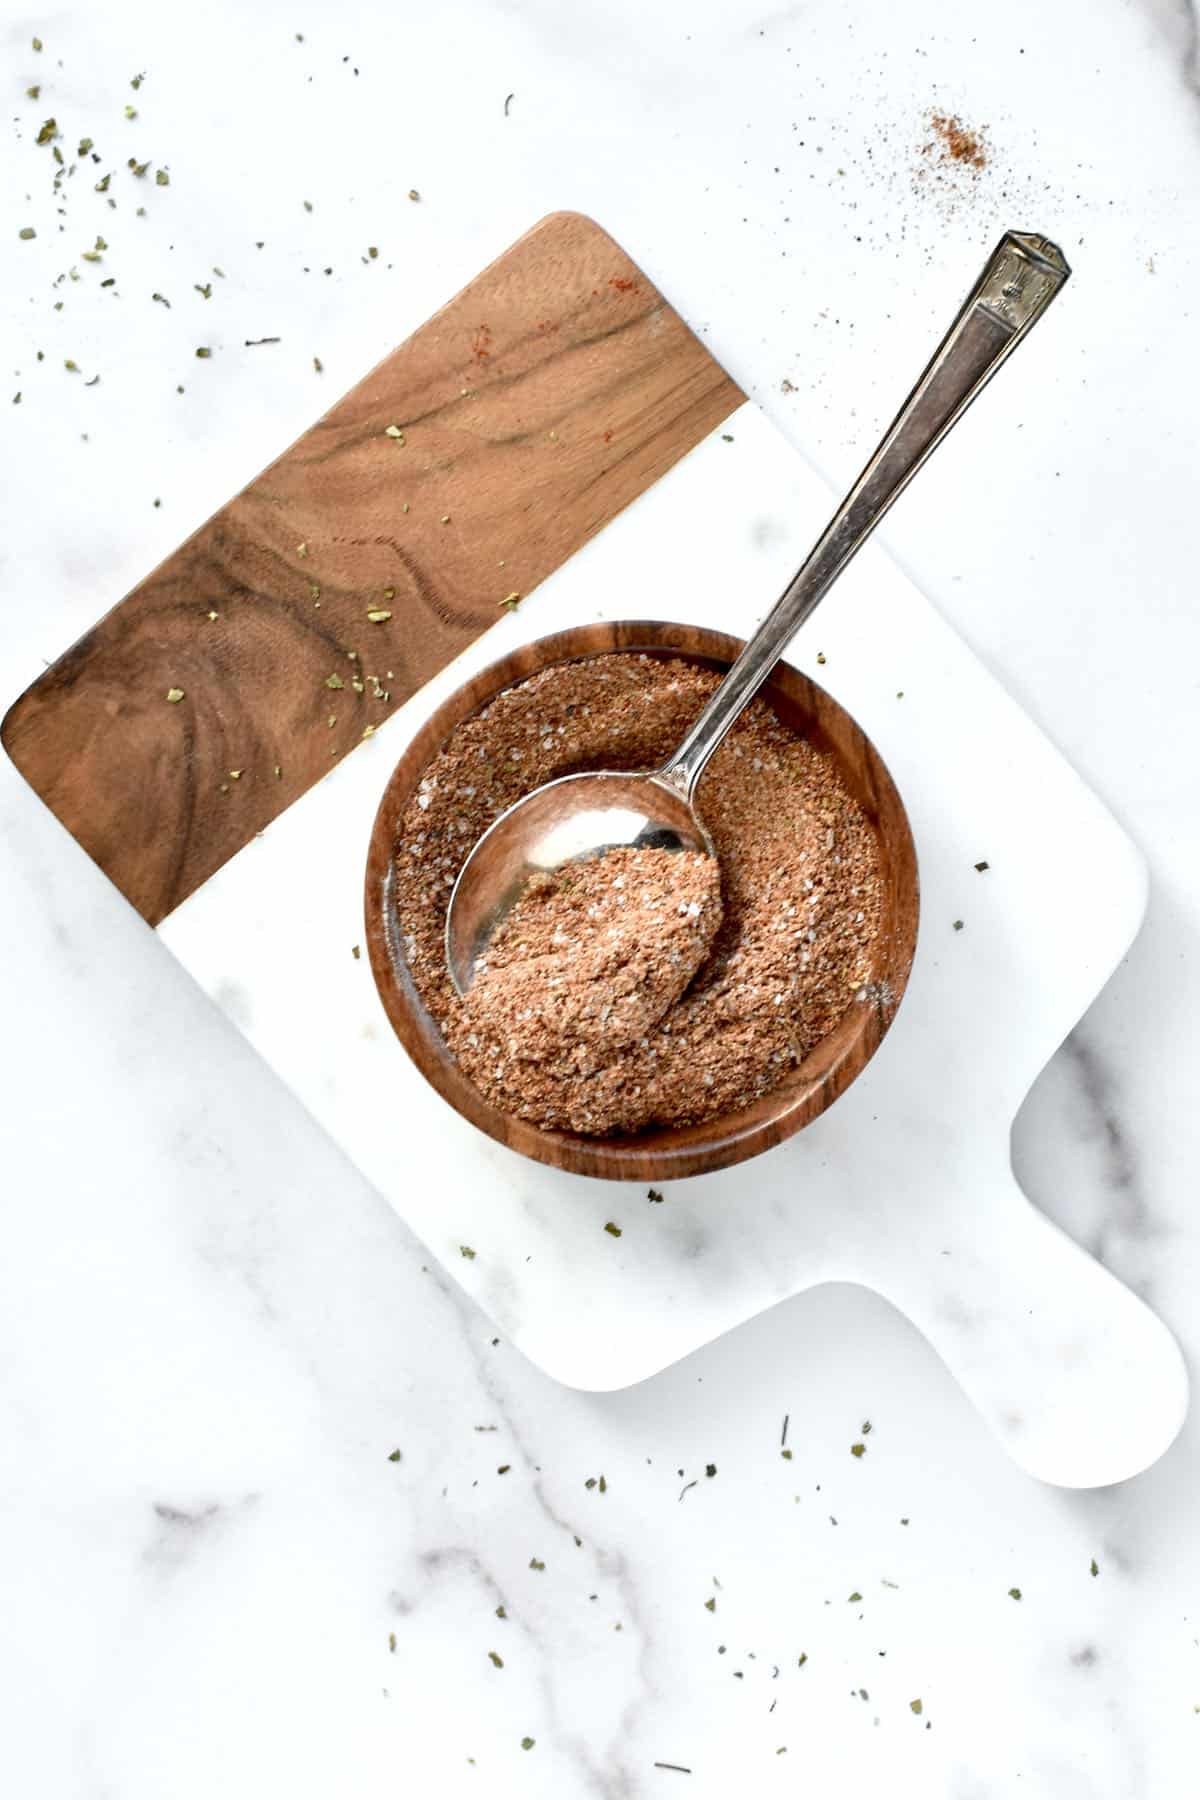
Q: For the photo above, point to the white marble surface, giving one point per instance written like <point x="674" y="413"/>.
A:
<point x="212" y="1331"/>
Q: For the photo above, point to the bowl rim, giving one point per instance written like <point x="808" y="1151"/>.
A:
<point x="813" y="1085"/>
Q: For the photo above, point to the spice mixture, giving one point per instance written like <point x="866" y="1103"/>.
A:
<point x="589" y="960"/>
<point x="787" y="953"/>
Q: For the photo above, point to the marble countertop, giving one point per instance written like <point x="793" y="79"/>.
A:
<point x="214" y="1335"/>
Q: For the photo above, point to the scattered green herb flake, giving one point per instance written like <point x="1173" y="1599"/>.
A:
<point x="102" y="184"/>
<point x="356" y="951"/>
<point x="90" y="255"/>
<point x="654" y="1197"/>
<point x="162" y="178"/>
<point x="613" y="1230"/>
<point x="603" y="1485"/>
<point x="497" y="1661"/>
<point x="318" y="365"/>
<point x="392" y="1642"/>
<point x="394" y="1455"/>
<point x="1014" y="1593"/>
<point x="37" y="44"/>
<point x="26" y="232"/>
<point x="1095" y="1567"/>
<point x="378" y="615"/>
<point x="204" y="288"/>
<point x="858" y="1449"/>
<point x="137" y="81"/>
<point x="394" y="431"/>
<point x="958" y="924"/>
<point x="590" y="1482"/>
<point x="131" y="112"/>
<point x="204" y="352"/>
<point x="916" y="1706"/>
<point x="138" y="168"/>
<point x="70" y="363"/>
<point x="534" y="1563"/>
<point x="710" y="1470"/>
<point x="34" y="93"/>
<point x="725" y="438"/>
<point x="527" y="1743"/>
<point x="710" y="1605"/>
<point x="334" y="681"/>
<point x="504" y="1468"/>
<point x="413" y="194"/>
<point x="174" y="695"/>
<point x="512" y="601"/>
<point x="48" y="132"/>
<point x="466" y="1250"/>
<point x="802" y="1659"/>
<point x="981" y="867"/>
<point x="854" y="1598"/>
<point x="445" y="519"/>
<point x="16" y="399"/>
<point x="308" y="206"/>
<point x="85" y="145"/>
<point x="782" y="1750"/>
<point x="501" y="1613"/>
<point x="786" y="1455"/>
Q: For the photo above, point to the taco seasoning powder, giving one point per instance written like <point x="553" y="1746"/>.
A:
<point x="588" y="1017"/>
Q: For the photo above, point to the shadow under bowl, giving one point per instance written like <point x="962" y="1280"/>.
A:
<point x="807" y="1089"/>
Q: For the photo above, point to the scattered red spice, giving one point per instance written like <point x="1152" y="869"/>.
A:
<point x="481" y="347"/>
<point x="622" y="284"/>
<point x="955" y="142"/>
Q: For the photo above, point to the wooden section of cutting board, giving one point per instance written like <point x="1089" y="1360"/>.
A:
<point x="545" y="397"/>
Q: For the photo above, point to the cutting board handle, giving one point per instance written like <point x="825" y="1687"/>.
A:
<point x="1081" y="1382"/>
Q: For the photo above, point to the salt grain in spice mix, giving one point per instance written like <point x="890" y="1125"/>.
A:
<point x="643" y="988"/>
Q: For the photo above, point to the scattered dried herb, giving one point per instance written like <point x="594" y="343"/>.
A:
<point x="131" y="112"/>
<point x="958" y="924"/>
<point x="916" y="1706"/>
<point x="1095" y="1567"/>
<point x="394" y="431"/>
<point x="26" y="232"/>
<point x="392" y="1643"/>
<point x="710" y="1605"/>
<point x="334" y="681"/>
<point x="203" y="352"/>
<point x="466" y="1250"/>
<point x="497" y="1661"/>
<point x="413" y="194"/>
<point x="174" y="695"/>
<point x="504" y="1468"/>
<point x="980" y="867"/>
<point x="710" y="1470"/>
<point x="803" y="1658"/>
<point x="37" y="43"/>
<point x="527" y="1743"/>
<point x="162" y="178"/>
<point x="786" y="1455"/>
<point x="854" y="1598"/>
<point x="590" y="1482"/>
<point x="535" y="1564"/>
<point x="204" y="288"/>
<point x="501" y="1613"/>
<point x="138" y="168"/>
<point x="678" y="1767"/>
<point x="162" y="300"/>
<point x="49" y="131"/>
<point x="858" y="1449"/>
<point x="394" y="1456"/>
<point x="1014" y="1593"/>
<point x="252" y="343"/>
<point x="102" y="184"/>
<point x="378" y="615"/>
<point x="512" y="601"/>
<point x="613" y="1230"/>
<point x="654" y="1197"/>
<point x="318" y="365"/>
<point x="508" y="100"/>
<point x="85" y="144"/>
<point x="356" y="951"/>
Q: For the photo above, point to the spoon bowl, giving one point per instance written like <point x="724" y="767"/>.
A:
<point x="565" y="821"/>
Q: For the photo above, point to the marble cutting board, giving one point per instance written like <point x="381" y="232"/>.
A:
<point x="905" y="1185"/>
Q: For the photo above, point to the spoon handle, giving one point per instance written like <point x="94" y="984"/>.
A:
<point x="1019" y="281"/>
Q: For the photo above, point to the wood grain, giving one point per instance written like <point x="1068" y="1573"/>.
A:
<point x="550" y="393"/>
<point x="809" y="1088"/>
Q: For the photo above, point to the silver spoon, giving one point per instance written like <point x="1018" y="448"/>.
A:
<point x="587" y="814"/>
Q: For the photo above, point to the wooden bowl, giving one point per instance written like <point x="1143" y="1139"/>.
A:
<point x="812" y="1085"/>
